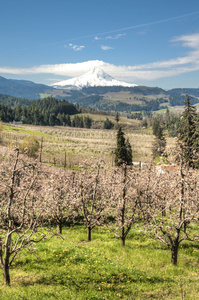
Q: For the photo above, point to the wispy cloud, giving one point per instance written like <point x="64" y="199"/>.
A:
<point x="69" y="70"/>
<point x="115" y="37"/>
<point x="99" y="36"/>
<point x="110" y="37"/>
<point x="149" y="71"/>
<point x="75" y="47"/>
<point x="105" y="48"/>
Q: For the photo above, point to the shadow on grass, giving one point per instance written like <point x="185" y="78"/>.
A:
<point x="95" y="277"/>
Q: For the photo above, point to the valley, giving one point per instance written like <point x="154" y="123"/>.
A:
<point x="79" y="144"/>
<point x="98" y="90"/>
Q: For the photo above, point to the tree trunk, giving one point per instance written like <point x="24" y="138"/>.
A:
<point x="174" y="254"/>
<point x="122" y="241"/>
<point x="5" y="263"/>
<point x="59" y="228"/>
<point x="89" y="234"/>
<point x="6" y="273"/>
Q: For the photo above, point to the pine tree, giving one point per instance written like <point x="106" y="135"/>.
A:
<point x="159" y="144"/>
<point x="107" y="124"/>
<point x="123" y="152"/>
<point x="117" y="117"/>
<point x="129" y="157"/>
<point x="156" y="125"/>
<point x="189" y="134"/>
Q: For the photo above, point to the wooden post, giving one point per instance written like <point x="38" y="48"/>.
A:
<point x="41" y="149"/>
<point x="65" y="161"/>
<point x="112" y="152"/>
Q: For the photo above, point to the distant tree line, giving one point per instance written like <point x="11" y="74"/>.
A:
<point x="178" y="100"/>
<point x="81" y="121"/>
<point x="48" y="111"/>
<point x="13" y="101"/>
<point x="98" y="102"/>
<point x="100" y="90"/>
<point x="152" y="105"/>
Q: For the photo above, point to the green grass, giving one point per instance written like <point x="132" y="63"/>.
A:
<point x="74" y="269"/>
<point x="45" y="95"/>
<point x="22" y="130"/>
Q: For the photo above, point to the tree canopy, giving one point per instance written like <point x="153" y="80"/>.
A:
<point x="189" y="134"/>
<point x="123" y="152"/>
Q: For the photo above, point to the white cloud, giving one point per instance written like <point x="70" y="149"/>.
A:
<point x="75" y="47"/>
<point x="116" y="37"/>
<point x="97" y="38"/>
<point x="69" y="70"/>
<point x="103" y="47"/>
<point x="150" y="71"/>
<point x="191" y="41"/>
<point x="110" y="37"/>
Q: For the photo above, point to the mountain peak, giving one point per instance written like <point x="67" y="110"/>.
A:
<point x="98" y="72"/>
<point x="94" y="77"/>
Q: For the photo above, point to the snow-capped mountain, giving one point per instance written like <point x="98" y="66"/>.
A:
<point x="94" y="77"/>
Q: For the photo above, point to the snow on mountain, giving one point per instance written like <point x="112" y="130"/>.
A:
<point x="94" y="77"/>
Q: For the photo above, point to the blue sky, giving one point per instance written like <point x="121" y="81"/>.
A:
<point x="147" y="42"/>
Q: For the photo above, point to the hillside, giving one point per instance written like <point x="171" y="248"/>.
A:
<point x="23" y="88"/>
<point x="108" y="98"/>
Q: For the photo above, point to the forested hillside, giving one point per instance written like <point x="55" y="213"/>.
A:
<point x="13" y="101"/>
<point x="49" y="111"/>
<point x="114" y="98"/>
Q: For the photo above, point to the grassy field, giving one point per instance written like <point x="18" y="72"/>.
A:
<point x="70" y="268"/>
<point x="77" y="144"/>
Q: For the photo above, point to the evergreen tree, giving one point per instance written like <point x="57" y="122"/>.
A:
<point x="107" y="124"/>
<point x="156" y="125"/>
<point x="189" y="134"/>
<point x="67" y="120"/>
<point x="159" y="144"/>
<point x="167" y="118"/>
<point x="123" y="152"/>
<point x="117" y="117"/>
<point x="18" y="111"/>
<point x="87" y="122"/>
<point x="52" y="120"/>
<point x="129" y="153"/>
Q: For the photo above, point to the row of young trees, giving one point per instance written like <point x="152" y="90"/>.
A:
<point x="35" y="198"/>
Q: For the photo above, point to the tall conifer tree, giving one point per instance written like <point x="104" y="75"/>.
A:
<point x="129" y="156"/>
<point x="189" y="134"/>
<point x="159" y="144"/>
<point x="123" y="152"/>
